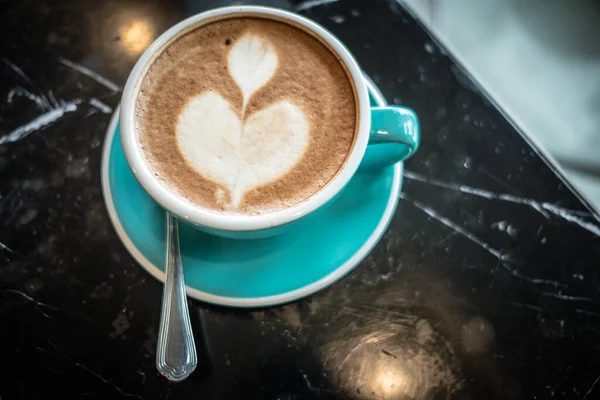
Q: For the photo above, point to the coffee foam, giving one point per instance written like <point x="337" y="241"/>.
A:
<point x="246" y="115"/>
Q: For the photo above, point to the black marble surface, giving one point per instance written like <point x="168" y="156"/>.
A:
<point x="485" y="286"/>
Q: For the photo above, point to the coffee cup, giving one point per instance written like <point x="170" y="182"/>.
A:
<point x="290" y="158"/>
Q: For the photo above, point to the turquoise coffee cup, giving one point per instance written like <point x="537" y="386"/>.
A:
<point x="385" y="135"/>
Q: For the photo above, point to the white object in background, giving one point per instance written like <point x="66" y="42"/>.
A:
<point x="539" y="61"/>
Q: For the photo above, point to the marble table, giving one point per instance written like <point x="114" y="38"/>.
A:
<point x="486" y="284"/>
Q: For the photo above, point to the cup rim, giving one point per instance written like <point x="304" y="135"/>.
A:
<point x="236" y="222"/>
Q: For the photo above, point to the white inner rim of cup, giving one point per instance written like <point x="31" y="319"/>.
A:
<point x="233" y="222"/>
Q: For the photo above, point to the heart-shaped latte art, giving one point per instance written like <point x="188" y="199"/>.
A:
<point x="243" y="154"/>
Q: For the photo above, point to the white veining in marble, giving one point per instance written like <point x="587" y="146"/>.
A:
<point x="100" y="105"/>
<point x="504" y="226"/>
<point x="307" y="5"/>
<point x="560" y="212"/>
<point x="86" y="369"/>
<point x="505" y="261"/>
<point x="39" y="122"/>
<point x="41" y="101"/>
<point x="338" y="19"/>
<point x="566" y="297"/>
<point x="92" y="74"/>
<point x="585" y="397"/>
<point x="5" y="247"/>
<point x="38" y="304"/>
<point x="544" y="208"/>
<point x="53" y="101"/>
<point x="452" y="225"/>
<point x="17" y="70"/>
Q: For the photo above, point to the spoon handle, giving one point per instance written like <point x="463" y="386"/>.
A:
<point x="176" y="355"/>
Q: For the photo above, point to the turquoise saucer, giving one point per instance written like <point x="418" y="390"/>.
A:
<point x="262" y="272"/>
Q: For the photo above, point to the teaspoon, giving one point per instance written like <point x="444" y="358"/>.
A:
<point x="176" y="355"/>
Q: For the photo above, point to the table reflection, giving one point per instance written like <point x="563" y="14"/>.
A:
<point x="136" y="35"/>
<point x="402" y="359"/>
<point x="391" y="381"/>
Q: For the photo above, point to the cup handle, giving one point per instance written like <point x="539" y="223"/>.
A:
<point x="395" y="136"/>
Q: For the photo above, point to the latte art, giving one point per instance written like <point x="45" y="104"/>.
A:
<point x="246" y="115"/>
<point x="252" y="62"/>
<point x="243" y="153"/>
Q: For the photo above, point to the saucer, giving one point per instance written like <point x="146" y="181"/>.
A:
<point x="261" y="272"/>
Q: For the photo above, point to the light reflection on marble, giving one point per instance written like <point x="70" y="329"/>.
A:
<point x="393" y="356"/>
<point x="136" y="35"/>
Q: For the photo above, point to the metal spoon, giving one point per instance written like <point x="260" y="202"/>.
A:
<point x="176" y="355"/>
